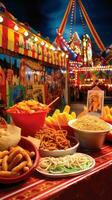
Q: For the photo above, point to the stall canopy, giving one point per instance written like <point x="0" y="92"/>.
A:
<point x="19" y="38"/>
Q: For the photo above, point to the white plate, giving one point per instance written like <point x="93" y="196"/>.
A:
<point x="62" y="175"/>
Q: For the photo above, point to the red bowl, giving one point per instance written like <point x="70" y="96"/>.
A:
<point x="109" y="135"/>
<point x="107" y="120"/>
<point x="26" y="144"/>
<point x="29" y="122"/>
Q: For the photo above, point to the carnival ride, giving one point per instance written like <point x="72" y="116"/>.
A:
<point x="82" y="64"/>
<point x="75" y="46"/>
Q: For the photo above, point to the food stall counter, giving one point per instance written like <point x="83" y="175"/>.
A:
<point x="94" y="184"/>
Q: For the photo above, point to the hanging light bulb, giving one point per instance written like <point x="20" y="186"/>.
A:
<point x="35" y="39"/>
<point x="26" y="33"/>
<point x="16" y="28"/>
<point x="1" y="19"/>
<point x="42" y="43"/>
<point x="46" y="45"/>
<point x="66" y="55"/>
<point x="63" y="54"/>
<point x="52" y="48"/>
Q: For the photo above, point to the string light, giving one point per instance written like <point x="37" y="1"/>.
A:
<point x="1" y="19"/>
<point x="53" y="48"/>
<point x="72" y="16"/>
<point x="26" y="33"/>
<point x="63" y="54"/>
<point x="16" y="28"/>
<point x="35" y="39"/>
<point x="42" y="43"/>
<point x="101" y="68"/>
<point x="66" y="56"/>
<point x="46" y="45"/>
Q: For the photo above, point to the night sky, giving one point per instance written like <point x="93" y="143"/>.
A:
<point x="45" y="16"/>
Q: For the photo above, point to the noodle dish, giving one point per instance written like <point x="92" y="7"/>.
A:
<point x="69" y="165"/>
<point x="56" y="142"/>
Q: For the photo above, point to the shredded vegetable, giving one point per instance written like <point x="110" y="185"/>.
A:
<point x="66" y="164"/>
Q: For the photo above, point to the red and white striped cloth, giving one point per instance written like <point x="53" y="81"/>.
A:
<point x="37" y="187"/>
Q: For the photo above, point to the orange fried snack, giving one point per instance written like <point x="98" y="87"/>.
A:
<point x="51" y="139"/>
<point x="15" y="161"/>
<point x="29" y="106"/>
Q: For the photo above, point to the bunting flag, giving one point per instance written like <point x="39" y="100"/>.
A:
<point x="16" y="42"/>
<point x="91" y="27"/>
<point x="13" y="41"/>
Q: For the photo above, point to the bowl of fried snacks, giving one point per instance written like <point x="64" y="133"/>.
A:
<point x="29" y="116"/>
<point x="56" y="142"/>
<point x="18" y="163"/>
<point x="90" y="130"/>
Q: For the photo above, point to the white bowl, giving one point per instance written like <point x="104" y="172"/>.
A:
<point x="63" y="152"/>
<point x="90" y="139"/>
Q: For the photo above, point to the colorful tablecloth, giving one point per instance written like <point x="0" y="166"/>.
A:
<point x="95" y="184"/>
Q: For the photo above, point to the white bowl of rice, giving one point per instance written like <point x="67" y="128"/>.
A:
<point x="90" y="130"/>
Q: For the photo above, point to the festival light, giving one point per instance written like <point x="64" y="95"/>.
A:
<point x="35" y="39"/>
<point x="96" y="68"/>
<point x="109" y="85"/>
<point x="46" y="45"/>
<point x="42" y="43"/>
<point x="52" y="48"/>
<point x="85" y="85"/>
<point x="1" y="19"/>
<point x="26" y="33"/>
<point x="66" y="56"/>
<point x="16" y="28"/>
<point x="63" y="54"/>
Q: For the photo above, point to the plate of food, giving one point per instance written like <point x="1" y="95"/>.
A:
<point x="65" y="166"/>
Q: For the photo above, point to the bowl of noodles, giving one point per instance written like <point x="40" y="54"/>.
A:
<point x="90" y="130"/>
<point x="56" y="142"/>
